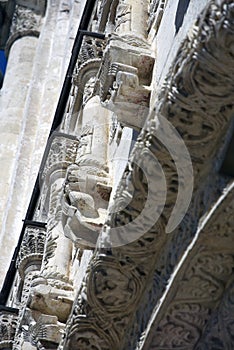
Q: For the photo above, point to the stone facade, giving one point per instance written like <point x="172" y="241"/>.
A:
<point x="127" y="241"/>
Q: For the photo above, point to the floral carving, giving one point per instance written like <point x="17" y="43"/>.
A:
<point x="32" y="248"/>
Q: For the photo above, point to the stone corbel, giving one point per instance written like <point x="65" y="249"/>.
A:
<point x="125" y="78"/>
<point x="52" y="291"/>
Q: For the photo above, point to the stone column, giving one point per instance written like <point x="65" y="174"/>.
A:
<point x="12" y="101"/>
<point x="52" y="292"/>
<point x="88" y="187"/>
<point x="131" y="17"/>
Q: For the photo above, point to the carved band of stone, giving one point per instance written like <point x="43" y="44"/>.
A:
<point x="198" y="287"/>
<point x="198" y="97"/>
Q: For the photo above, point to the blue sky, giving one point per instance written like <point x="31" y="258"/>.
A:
<point x="2" y="62"/>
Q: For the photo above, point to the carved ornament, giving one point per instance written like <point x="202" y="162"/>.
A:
<point x="198" y="100"/>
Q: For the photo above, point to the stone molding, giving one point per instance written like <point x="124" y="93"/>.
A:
<point x="198" y="90"/>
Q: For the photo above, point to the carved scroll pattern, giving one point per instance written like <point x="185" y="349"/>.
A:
<point x="219" y="331"/>
<point x="204" y="283"/>
<point x="198" y="100"/>
<point x="168" y="258"/>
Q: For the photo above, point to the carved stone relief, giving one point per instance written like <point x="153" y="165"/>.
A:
<point x="84" y="79"/>
<point x="51" y="289"/>
<point x="204" y="283"/>
<point x="92" y="48"/>
<point x="25" y="22"/>
<point x="219" y="330"/>
<point x="32" y="249"/>
<point x="61" y="151"/>
<point x="8" y="323"/>
<point x="200" y="108"/>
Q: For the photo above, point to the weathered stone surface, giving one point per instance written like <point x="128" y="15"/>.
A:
<point x="136" y="252"/>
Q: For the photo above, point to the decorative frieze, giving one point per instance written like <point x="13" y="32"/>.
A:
<point x="92" y="48"/>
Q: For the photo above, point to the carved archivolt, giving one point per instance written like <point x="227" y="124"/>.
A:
<point x="198" y="100"/>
